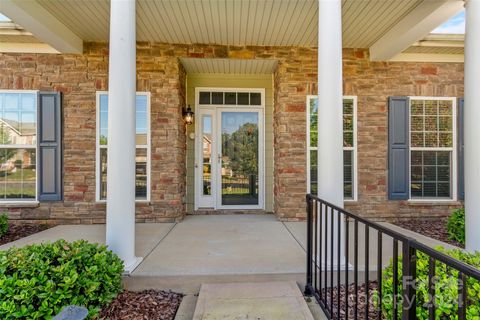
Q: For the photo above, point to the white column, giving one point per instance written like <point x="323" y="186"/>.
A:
<point x="330" y="92"/>
<point x="472" y="125"/>
<point x="330" y="113"/>
<point x="121" y="133"/>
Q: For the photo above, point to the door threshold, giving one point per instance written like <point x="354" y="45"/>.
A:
<point x="205" y="211"/>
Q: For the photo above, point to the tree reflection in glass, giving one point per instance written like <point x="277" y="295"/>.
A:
<point x="239" y="158"/>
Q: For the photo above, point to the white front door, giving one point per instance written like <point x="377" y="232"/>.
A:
<point x="229" y="157"/>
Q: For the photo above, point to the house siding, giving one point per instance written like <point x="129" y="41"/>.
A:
<point x="160" y="72"/>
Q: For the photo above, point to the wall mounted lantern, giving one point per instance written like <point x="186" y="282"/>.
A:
<point x="188" y="115"/>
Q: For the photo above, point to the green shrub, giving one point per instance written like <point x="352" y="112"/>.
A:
<point x="446" y="288"/>
<point x="38" y="281"/>
<point x="3" y="224"/>
<point x="456" y="226"/>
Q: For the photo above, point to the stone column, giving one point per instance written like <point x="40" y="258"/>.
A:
<point x="472" y="124"/>
<point x="121" y="133"/>
<point x="330" y="107"/>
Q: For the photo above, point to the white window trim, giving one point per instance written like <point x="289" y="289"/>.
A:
<point x="98" y="147"/>
<point x="35" y="201"/>
<point x="354" y="148"/>
<point x="453" y="149"/>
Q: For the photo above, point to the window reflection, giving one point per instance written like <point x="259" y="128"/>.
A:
<point x="18" y="138"/>
<point x="141" y="141"/>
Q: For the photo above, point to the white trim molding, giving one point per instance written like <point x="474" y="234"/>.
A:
<point x="25" y="47"/>
<point x="215" y="111"/>
<point x="98" y="147"/>
<point x="428" y="57"/>
<point x="453" y="149"/>
<point x="354" y="148"/>
<point x="33" y="201"/>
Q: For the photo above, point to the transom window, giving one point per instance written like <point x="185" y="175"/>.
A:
<point x="432" y="147"/>
<point x="142" y="159"/>
<point x="241" y="98"/>
<point x="349" y="146"/>
<point x="18" y="145"/>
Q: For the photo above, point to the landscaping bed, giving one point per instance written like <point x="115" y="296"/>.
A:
<point x="148" y="304"/>
<point x="19" y="231"/>
<point x="433" y="228"/>
<point x="361" y="307"/>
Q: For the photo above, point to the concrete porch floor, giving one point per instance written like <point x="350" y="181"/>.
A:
<point x="215" y="249"/>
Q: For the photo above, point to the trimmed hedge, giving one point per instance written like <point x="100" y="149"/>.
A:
<point x="446" y="289"/>
<point x="38" y="281"/>
<point x="456" y="226"/>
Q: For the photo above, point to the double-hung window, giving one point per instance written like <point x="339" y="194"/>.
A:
<point x="142" y="138"/>
<point x="432" y="148"/>
<point x="18" y="145"/>
<point x="349" y="146"/>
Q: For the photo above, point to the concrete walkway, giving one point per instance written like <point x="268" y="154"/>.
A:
<point x="218" y="249"/>
<point x="258" y="300"/>
<point x="201" y="249"/>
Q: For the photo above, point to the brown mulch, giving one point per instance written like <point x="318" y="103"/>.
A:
<point x="433" y="228"/>
<point x="361" y="306"/>
<point x="18" y="231"/>
<point x="144" y="305"/>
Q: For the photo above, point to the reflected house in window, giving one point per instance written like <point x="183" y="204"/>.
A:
<point x="13" y="132"/>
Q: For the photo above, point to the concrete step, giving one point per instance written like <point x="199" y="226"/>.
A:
<point x="280" y="300"/>
<point x="190" y="284"/>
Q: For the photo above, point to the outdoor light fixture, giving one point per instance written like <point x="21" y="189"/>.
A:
<point x="188" y="115"/>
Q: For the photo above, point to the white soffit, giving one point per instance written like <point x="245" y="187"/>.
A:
<point x="231" y="66"/>
<point x="416" y="25"/>
<point x="234" y="22"/>
<point x="42" y="24"/>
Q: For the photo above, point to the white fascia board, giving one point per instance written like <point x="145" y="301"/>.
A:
<point x="25" y="47"/>
<point x="428" y="57"/>
<point x="413" y="27"/>
<point x="42" y="24"/>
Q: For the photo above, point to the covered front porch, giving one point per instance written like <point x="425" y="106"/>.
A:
<point x="216" y="249"/>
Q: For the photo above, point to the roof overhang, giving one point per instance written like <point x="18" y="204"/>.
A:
<point x="42" y="24"/>
<point x="388" y="28"/>
<point x="413" y="27"/>
<point x="229" y="66"/>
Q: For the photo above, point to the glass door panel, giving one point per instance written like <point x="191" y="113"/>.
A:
<point x="239" y="158"/>
<point x="207" y="155"/>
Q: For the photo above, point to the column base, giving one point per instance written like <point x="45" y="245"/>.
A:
<point x="132" y="265"/>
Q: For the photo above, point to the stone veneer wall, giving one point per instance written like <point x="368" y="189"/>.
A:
<point x="79" y="77"/>
<point x="159" y="71"/>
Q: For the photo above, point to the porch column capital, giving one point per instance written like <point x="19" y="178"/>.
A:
<point x="120" y="228"/>
<point x="330" y="119"/>
<point x="472" y="127"/>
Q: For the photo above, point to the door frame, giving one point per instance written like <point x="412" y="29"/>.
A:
<point x="216" y="111"/>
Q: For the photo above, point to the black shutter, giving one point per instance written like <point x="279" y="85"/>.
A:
<point x="49" y="135"/>
<point x="398" y="148"/>
<point x="460" y="148"/>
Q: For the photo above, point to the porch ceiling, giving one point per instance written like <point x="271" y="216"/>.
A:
<point x="242" y="22"/>
<point x="231" y="66"/>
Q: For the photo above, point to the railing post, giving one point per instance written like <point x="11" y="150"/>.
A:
<point x="409" y="277"/>
<point x="309" y="284"/>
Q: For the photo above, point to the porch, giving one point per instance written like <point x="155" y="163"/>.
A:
<point x="217" y="249"/>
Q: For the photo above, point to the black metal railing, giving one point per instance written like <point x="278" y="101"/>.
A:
<point x="340" y="246"/>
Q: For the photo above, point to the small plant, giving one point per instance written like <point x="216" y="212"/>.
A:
<point x="446" y="288"/>
<point x="3" y="224"/>
<point x="38" y="281"/>
<point x="456" y="226"/>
